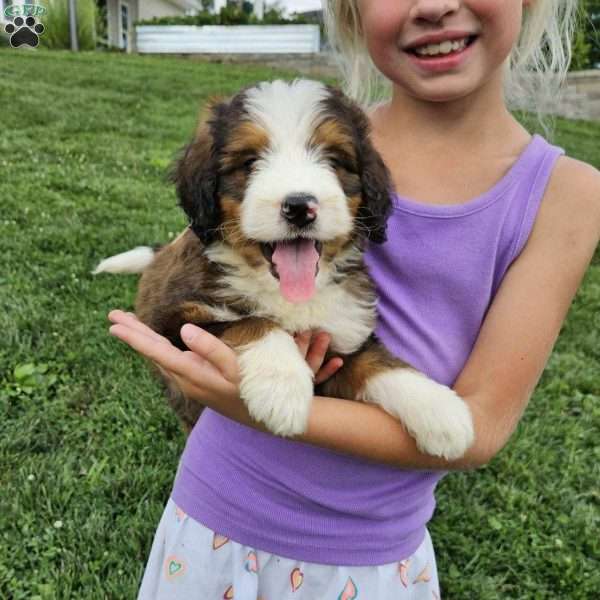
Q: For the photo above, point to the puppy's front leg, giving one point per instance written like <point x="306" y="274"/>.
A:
<point x="438" y="419"/>
<point x="276" y="381"/>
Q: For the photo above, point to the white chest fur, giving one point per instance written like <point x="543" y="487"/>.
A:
<point x="348" y="319"/>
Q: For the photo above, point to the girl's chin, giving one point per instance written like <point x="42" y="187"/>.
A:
<point x="446" y="88"/>
<point x="439" y="91"/>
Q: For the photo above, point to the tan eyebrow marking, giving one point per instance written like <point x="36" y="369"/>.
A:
<point x="331" y="136"/>
<point x="247" y="136"/>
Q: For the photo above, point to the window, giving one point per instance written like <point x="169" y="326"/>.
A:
<point x="124" y="42"/>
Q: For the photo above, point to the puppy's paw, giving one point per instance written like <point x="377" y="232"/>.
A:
<point x="276" y="383"/>
<point x="438" y="419"/>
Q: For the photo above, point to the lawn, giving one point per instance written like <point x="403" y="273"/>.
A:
<point x="88" y="448"/>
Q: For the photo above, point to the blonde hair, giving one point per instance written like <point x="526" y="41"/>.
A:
<point x="534" y="72"/>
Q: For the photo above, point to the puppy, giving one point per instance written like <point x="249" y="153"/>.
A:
<point x="283" y="189"/>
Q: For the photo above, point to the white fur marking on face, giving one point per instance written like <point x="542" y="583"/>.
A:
<point x="289" y="113"/>
<point x="432" y="413"/>
<point x="276" y="383"/>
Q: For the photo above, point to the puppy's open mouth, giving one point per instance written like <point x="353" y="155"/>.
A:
<point x="295" y="263"/>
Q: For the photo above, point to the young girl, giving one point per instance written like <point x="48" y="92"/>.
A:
<point x="491" y="233"/>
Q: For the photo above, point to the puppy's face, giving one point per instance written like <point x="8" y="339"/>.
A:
<point x="285" y="174"/>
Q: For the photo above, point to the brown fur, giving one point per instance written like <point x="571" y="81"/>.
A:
<point x="182" y="285"/>
<point x="350" y="380"/>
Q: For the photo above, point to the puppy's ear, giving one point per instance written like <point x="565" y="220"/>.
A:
<point x="375" y="179"/>
<point x="196" y="178"/>
<point x="376" y="191"/>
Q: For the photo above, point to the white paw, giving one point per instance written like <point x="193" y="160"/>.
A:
<point x="276" y="383"/>
<point x="438" y="419"/>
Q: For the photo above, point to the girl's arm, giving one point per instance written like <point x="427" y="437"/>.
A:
<point x="500" y="375"/>
<point x="513" y="345"/>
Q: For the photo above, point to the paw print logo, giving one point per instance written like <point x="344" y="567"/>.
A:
<point x="24" y="32"/>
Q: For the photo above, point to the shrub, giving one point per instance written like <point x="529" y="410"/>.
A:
<point x="56" y="22"/>
<point x="586" y="42"/>
<point x="228" y="15"/>
<point x="593" y="30"/>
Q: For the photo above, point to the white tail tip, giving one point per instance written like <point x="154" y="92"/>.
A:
<point x="133" y="261"/>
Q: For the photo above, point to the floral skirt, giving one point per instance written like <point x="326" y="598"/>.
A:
<point x="188" y="561"/>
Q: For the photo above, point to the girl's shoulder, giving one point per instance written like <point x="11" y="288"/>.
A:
<point x="566" y="230"/>
<point x="572" y="197"/>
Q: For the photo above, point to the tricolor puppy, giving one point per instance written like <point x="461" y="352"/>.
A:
<point x="283" y="189"/>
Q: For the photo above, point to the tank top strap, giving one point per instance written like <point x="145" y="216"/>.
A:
<point x="531" y="188"/>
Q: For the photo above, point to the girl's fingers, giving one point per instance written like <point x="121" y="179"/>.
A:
<point x="219" y="354"/>
<point x="130" y="320"/>
<point x="303" y="340"/>
<point x="203" y="363"/>
<point x="314" y="346"/>
<point x="167" y="356"/>
<point x="328" y="370"/>
<point x="317" y="350"/>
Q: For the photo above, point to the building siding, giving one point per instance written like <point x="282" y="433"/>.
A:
<point x="268" y="39"/>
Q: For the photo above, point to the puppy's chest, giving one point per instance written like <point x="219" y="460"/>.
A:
<point x="335" y="310"/>
<point x="348" y="317"/>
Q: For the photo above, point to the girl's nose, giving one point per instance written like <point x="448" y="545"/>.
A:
<point x="433" y="10"/>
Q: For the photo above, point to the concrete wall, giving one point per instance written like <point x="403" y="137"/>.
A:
<point x="581" y="99"/>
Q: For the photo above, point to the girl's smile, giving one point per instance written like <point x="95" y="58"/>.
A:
<point x="450" y="52"/>
<point x="440" y="50"/>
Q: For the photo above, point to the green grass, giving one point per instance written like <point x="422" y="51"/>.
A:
<point x="88" y="448"/>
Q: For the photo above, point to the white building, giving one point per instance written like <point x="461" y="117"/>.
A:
<point x="122" y="14"/>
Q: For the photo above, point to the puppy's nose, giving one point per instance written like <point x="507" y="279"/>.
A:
<point x="299" y="209"/>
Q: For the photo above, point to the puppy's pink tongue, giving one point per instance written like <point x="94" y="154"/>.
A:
<point x="296" y="264"/>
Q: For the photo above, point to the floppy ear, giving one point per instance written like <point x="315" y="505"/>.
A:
<point x="377" y="188"/>
<point x="375" y="179"/>
<point x="195" y="175"/>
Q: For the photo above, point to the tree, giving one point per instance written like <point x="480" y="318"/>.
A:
<point x="592" y="29"/>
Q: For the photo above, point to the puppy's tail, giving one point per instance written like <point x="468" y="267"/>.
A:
<point x="132" y="261"/>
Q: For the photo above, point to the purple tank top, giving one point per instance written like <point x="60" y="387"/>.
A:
<point x="435" y="277"/>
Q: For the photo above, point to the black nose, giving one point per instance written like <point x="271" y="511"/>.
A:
<point x="299" y="209"/>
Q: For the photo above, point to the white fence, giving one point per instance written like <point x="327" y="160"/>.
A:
<point x="233" y="39"/>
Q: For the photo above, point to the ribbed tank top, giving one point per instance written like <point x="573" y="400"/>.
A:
<point x="436" y="276"/>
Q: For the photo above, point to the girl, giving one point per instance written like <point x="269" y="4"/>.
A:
<point x="487" y="219"/>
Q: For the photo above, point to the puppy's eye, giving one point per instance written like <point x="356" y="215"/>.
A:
<point x="249" y="163"/>
<point x="342" y="162"/>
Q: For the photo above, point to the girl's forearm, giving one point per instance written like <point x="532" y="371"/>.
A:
<point x="368" y="432"/>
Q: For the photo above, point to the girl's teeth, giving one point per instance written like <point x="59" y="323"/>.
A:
<point x="443" y="48"/>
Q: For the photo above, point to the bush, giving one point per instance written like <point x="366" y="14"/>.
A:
<point x="581" y="51"/>
<point x="586" y="42"/>
<point x="3" y="38"/>
<point x="56" y="21"/>
<point x="101" y="26"/>
<point x="228" y="15"/>
<point x="593" y="30"/>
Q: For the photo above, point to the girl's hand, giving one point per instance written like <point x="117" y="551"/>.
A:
<point x="313" y="347"/>
<point x="208" y="372"/>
